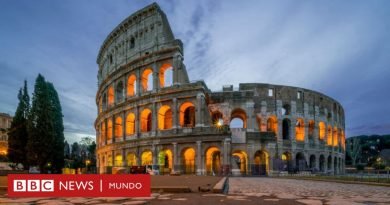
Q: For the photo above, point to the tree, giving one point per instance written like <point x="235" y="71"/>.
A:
<point x="66" y="150"/>
<point x="354" y="149"/>
<point x="45" y="146"/>
<point x="18" y="135"/>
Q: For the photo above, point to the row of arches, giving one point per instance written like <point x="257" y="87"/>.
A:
<point x="116" y="93"/>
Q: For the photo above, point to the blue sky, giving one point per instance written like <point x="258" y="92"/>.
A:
<point x="339" y="48"/>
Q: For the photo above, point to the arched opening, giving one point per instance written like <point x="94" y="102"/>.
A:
<point x="286" y="110"/>
<point x="321" y="127"/>
<point x="100" y="105"/>
<point x="187" y="115"/>
<point x="131" y="85"/>
<point x="272" y="125"/>
<point x="146" y="158"/>
<point x="189" y="161"/>
<point x="118" y="127"/>
<point x="104" y="101"/>
<point x="335" y="170"/>
<point x="217" y="118"/>
<point x="311" y="129"/>
<point x="131" y="159"/>
<point x="130" y="124"/>
<point x="166" y="75"/>
<point x="261" y="125"/>
<point x="330" y="163"/>
<point x="109" y="130"/>
<point x="287" y="162"/>
<point x="213" y="161"/>
<point x="329" y="136"/>
<point x="239" y="163"/>
<point x="300" y="162"/>
<point x="118" y="160"/>
<point x="147" y="80"/>
<point x="286" y="129"/>
<point x="322" y="163"/>
<point x="110" y="96"/>
<point x="119" y="92"/>
<point x="238" y="118"/>
<point x="103" y="131"/>
<point x="312" y="163"/>
<point x="335" y="137"/>
<point x="146" y="120"/>
<point x="165" y="161"/>
<point x="109" y="161"/>
<point x="165" y="118"/>
<point x="260" y="163"/>
<point x="300" y="130"/>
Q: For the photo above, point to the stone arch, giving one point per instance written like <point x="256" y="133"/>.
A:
<point x="300" y="130"/>
<point x="329" y="136"/>
<point x="335" y="165"/>
<point x="111" y="96"/>
<point x="287" y="162"/>
<point x="165" y="118"/>
<point x="213" y="161"/>
<point x="109" y="161"/>
<point x="130" y="124"/>
<point x="286" y="109"/>
<point x="188" y="160"/>
<point x="239" y="163"/>
<point x="322" y="163"/>
<point x="131" y="159"/>
<point x="119" y="92"/>
<point x="103" y="132"/>
<point x="147" y="157"/>
<point x="272" y="124"/>
<point x="131" y="85"/>
<point x="238" y="118"/>
<point x="312" y="162"/>
<point x="335" y="137"/>
<point x="322" y="130"/>
<point x="118" y="160"/>
<point x="300" y="162"/>
<point x="187" y="114"/>
<point x="261" y="163"/>
<point x="146" y="120"/>
<point x="286" y="124"/>
<point x="166" y="75"/>
<point x="311" y="129"/>
<point x="165" y="160"/>
<point x="217" y="118"/>
<point x="118" y="130"/>
<point x="147" y="79"/>
<point x="329" y="162"/>
<point x="109" y="130"/>
<point x="104" y="101"/>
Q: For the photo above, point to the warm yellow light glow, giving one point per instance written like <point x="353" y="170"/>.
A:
<point x="311" y="128"/>
<point x="164" y="79"/>
<point x="131" y="159"/>
<point x="272" y="124"/>
<point x="131" y="85"/>
<point x="335" y="137"/>
<point x="147" y="79"/>
<point x="262" y="159"/>
<point x="146" y="120"/>
<point x="118" y="127"/>
<point x="118" y="160"/>
<point x="189" y="160"/>
<point x="300" y="130"/>
<point x="165" y="158"/>
<point x="329" y="136"/>
<point x="130" y="124"/>
<point x="109" y="160"/>
<point x="322" y="129"/>
<point x="103" y="131"/>
<point x="165" y="118"/>
<point x="187" y="115"/>
<point x="146" y="158"/>
<point x="284" y="157"/>
<point x="110" y="95"/>
<point x="109" y="129"/>
<point x="213" y="160"/>
<point x="243" y="160"/>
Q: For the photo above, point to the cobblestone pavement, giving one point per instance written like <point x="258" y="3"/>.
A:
<point x="310" y="192"/>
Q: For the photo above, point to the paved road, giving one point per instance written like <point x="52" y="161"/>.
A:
<point x="310" y="192"/>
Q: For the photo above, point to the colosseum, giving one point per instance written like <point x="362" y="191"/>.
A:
<point x="152" y="117"/>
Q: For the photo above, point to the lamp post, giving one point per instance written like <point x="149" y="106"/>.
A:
<point x="87" y="162"/>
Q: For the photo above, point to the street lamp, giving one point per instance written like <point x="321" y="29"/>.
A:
<point x="87" y="162"/>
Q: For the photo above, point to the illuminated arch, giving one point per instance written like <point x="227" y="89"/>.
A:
<point x="217" y="119"/>
<point x="119" y="92"/>
<point x="300" y="162"/>
<point x="213" y="161"/>
<point x="240" y="160"/>
<point x="109" y="129"/>
<point x="187" y="115"/>
<point x="272" y="125"/>
<point x="166" y="75"/>
<point x="287" y="161"/>
<point x="103" y="132"/>
<point x="109" y="161"/>
<point x="146" y="120"/>
<point x="118" y="160"/>
<point x="188" y="158"/>
<point x="147" y="79"/>
<point x="110" y="96"/>
<point x="261" y="163"/>
<point x="130" y="124"/>
<point x="165" y="118"/>
<point x="238" y="118"/>
<point x="286" y="124"/>
<point x="118" y="127"/>
<point x="322" y="130"/>
<point x="335" y="137"/>
<point x="329" y="136"/>
<point x="146" y="158"/>
<point x="311" y="129"/>
<point x="165" y="159"/>
<point x="300" y="130"/>
<point x="131" y="85"/>
<point x="104" y="101"/>
<point x="131" y="159"/>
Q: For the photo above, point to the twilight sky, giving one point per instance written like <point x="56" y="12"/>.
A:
<point x="339" y="48"/>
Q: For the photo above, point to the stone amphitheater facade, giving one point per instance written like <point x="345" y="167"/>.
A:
<point x="150" y="114"/>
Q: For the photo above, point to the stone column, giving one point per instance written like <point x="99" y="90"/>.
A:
<point x="176" y="66"/>
<point x="138" y="84"/>
<point x="137" y="123"/>
<point x="199" y="168"/>
<point x="124" y="125"/>
<point x="154" y="119"/>
<point x="113" y="158"/>
<point x="105" y="132"/>
<point x="199" y="108"/>
<point x="155" y="77"/>
<point x="251" y="116"/>
<point x="175" y="113"/>
<point x="154" y="154"/>
<point x="124" y="161"/>
<point x="113" y="129"/>
<point x="250" y="158"/>
<point x="175" y="158"/>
